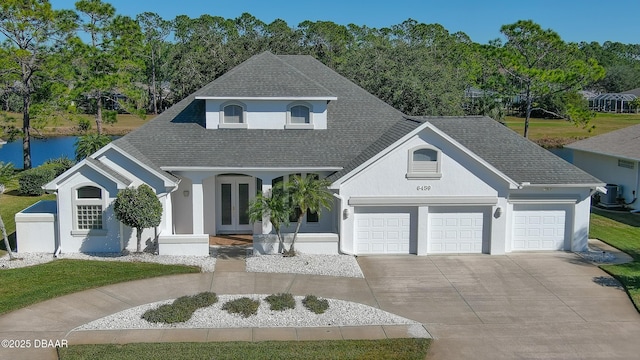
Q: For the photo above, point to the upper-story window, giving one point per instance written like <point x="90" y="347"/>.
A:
<point x="233" y="115"/>
<point x="299" y="116"/>
<point x="424" y="162"/>
<point x="88" y="208"/>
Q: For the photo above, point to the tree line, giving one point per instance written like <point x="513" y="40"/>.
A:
<point x="92" y="60"/>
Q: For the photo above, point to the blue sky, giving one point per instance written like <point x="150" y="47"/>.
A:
<point x="574" y="20"/>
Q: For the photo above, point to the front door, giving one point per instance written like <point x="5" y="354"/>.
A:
<point x="233" y="196"/>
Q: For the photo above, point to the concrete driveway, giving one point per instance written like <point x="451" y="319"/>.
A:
<point x="519" y="306"/>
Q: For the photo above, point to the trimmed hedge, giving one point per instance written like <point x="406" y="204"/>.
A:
<point x="31" y="181"/>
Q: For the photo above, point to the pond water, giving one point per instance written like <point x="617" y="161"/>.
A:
<point x="41" y="150"/>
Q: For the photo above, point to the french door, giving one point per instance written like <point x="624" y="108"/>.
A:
<point x="233" y="195"/>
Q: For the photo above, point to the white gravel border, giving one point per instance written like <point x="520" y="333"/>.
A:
<point x="331" y="265"/>
<point x="340" y="313"/>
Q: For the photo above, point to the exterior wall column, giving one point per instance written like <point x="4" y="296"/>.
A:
<point x="266" y="191"/>
<point x="423" y="231"/>
<point x="197" y="197"/>
<point x="168" y="215"/>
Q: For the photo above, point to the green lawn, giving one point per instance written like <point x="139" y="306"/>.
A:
<point x="338" y="349"/>
<point x="621" y="230"/>
<point x="559" y="132"/>
<point x="29" y="285"/>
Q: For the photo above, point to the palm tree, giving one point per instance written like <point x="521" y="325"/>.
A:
<point x="308" y="194"/>
<point x="275" y="206"/>
<point x="90" y="143"/>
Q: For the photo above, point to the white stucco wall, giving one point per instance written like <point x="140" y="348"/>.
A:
<point x="463" y="180"/>
<point x="72" y="240"/>
<point x="606" y="169"/>
<point x="267" y="114"/>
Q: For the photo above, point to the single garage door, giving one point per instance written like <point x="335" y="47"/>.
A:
<point x="538" y="230"/>
<point x="382" y="233"/>
<point x="455" y="232"/>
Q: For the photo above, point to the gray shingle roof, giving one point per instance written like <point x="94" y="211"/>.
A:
<point x="359" y="126"/>
<point x="624" y="143"/>
<point x="109" y="171"/>
<point x="178" y="136"/>
<point x="518" y="158"/>
<point x="268" y="76"/>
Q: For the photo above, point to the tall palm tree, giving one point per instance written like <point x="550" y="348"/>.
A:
<point x="308" y="194"/>
<point x="275" y="206"/>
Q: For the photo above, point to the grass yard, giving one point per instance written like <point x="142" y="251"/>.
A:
<point x="621" y="230"/>
<point x="29" y="285"/>
<point x="338" y="349"/>
<point x="550" y="132"/>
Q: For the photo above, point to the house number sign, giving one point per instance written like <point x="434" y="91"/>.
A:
<point x="423" y="187"/>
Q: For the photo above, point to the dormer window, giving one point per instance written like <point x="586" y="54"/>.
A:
<point x="424" y="163"/>
<point x="232" y="115"/>
<point x="299" y="116"/>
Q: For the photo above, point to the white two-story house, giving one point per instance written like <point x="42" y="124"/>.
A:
<point x="401" y="184"/>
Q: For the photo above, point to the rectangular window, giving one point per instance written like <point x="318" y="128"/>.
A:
<point x="89" y="217"/>
<point x="626" y="164"/>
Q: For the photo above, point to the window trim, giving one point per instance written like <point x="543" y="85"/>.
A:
<point x="76" y="201"/>
<point x="290" y="125"/>
<point x="413" y="174"/>
<point x="242" y="125"/>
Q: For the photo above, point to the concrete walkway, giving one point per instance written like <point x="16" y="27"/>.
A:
<point x="543" y="306"/>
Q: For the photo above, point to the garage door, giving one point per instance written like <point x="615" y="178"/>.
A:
<point x="383" y="233"/>
<point x="538" y="230"/>
<point x="455" y="233"/>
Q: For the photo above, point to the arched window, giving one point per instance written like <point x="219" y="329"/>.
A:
<point x="424" y="162"/>
<point x="233" y="114"/>
<point x="299" y="114"/>
<point x="88" y="208"/>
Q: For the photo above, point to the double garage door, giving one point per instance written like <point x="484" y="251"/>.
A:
<point x="394" y="233"/>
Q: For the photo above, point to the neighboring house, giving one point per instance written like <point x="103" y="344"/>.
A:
<point x="402" y="184"/>
<point x="613" y="157"/>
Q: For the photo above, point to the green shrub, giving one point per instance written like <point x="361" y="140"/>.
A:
<point x="280" y="302"/>
<point x="7" y="173"/>
<point x="84" y="124"/>
<point x="313" y="304"/>
<point x="31" y="181"/>
<point x="242" y="306"/>
<point x="61" y="164"/>
<point x="181" y="309"/>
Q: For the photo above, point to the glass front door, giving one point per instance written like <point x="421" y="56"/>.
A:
<point x="234" y="194"/>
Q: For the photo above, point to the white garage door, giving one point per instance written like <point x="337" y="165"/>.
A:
<point x="538" y="230"/>
<point x="383" y="233"/>
<point x="455" y="233"/>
